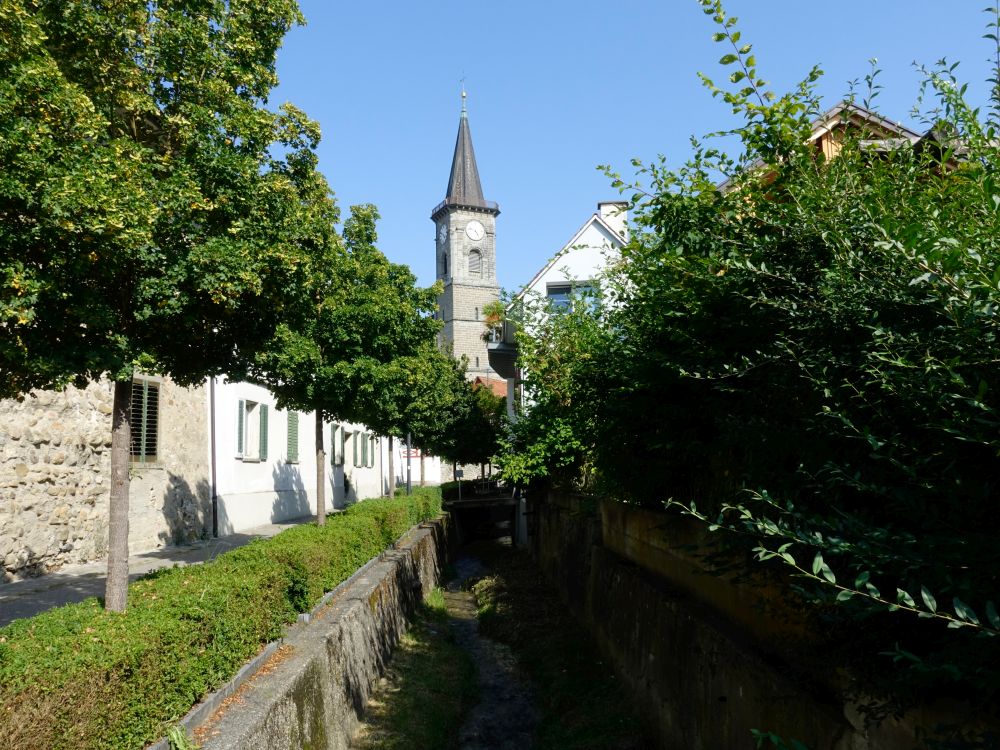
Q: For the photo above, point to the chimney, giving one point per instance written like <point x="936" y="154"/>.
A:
<point x="615" y="214"/>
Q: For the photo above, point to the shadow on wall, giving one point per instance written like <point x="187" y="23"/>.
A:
<point x="187" y="511"/>
<point x="339" y="485"/>
<point x="291" y="500"/>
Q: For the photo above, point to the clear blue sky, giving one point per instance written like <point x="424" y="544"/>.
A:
<point x="556" y="88"/>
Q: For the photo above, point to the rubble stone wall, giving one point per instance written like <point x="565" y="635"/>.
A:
<point x="55" y="460"/>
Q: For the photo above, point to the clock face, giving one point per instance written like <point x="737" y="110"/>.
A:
<point x="475" y="230"/>
<point x="443" y="233"/>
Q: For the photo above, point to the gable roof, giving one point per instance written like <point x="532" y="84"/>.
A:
<point x="886" y="133"/>
<point x="595" y="219"/>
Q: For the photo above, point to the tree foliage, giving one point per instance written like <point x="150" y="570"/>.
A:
<point x="153" y="211"/>
<point x="809" y="353"/>
<point x="355" y="316"/>
<point x="146" y="217"/>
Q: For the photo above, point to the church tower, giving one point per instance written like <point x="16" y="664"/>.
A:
<point x="465" y="250"/>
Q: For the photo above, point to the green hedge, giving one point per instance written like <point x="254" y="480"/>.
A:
<point x="79" y="677"/>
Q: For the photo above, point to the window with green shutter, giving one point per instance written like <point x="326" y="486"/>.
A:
<point x="293" y="437"/>
<point x="338" y="445"/>
<point x="240" y="426"/>
<point x="262" y="454"/>
<point x="251" y="431"/>
<point x="354" y="445"/>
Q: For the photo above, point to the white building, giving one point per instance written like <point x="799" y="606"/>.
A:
<point x="582" y="260"/>
<point x="573" y="269"/>
<point x="216" y="458"/>
<point x="264" y="467"/>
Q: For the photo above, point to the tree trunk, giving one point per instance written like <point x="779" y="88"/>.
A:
<point x="421" y="467"/>
<point x="320" y="472"/>
<point x="116" y="586"/>
<point x="392" y="470"/>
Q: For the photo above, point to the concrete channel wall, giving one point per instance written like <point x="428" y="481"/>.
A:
<point x="310" y="690"/>
<point x="702" y="654"/>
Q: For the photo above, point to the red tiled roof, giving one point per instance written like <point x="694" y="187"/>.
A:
<point x="497" y="385"/>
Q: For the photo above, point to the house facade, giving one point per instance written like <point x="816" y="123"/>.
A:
<point x="575" y="268"/>
<point x="215" y="459"/>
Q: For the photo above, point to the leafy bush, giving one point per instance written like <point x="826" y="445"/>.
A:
<point x="80" y="677"/>
<point x="810" y="355"/>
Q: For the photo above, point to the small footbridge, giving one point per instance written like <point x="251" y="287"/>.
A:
<point x="484" y="509"/>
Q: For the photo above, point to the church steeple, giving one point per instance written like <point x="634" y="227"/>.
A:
<point x="464" y="187"/>
<point x="465" y="256"/>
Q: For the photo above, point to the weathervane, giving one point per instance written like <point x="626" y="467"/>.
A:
<point x="462" y="81"/>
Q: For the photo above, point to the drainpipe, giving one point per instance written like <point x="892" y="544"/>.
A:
<point x="409" y="452"/>
<point x="215" y="486"/>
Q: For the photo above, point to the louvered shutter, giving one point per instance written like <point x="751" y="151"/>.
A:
<point x="263" y="432"/>
<point x="293" y="437"/>
<point x="354" y="444"/>
<point x="240" y="427"/>
<point x="144" y="422"/>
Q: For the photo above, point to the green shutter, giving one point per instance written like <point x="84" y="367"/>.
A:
<point x="240" y="413"/>
<point x="343" y="445"/>
<point x="263" y="432"/>
<point x="333" y="445"/>
<point x="293" y="437"/>
<point x="354" y="444"/>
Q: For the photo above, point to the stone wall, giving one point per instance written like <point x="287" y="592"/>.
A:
<point x="705" y="661"/>
<point x="55" y="451"/>
<point x="313" y="693"/>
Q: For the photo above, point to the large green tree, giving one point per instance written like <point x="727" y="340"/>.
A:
<point x="153" y="211"/>
<point x="350" y="337"/>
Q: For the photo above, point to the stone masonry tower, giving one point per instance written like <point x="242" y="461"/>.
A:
<point x="466" y="255"/>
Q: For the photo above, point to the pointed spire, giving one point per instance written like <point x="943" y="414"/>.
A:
<point x="464" y="187"/>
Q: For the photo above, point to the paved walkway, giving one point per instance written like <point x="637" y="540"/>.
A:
<point x="74" y="583"/>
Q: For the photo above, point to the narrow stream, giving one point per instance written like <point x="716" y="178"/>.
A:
<point x="505" y="717"/>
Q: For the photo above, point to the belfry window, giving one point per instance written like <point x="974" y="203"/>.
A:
<point x="475" y="263"/>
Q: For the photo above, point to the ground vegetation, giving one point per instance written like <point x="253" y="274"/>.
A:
<point x="81" y="677"/>
<point x="581" y="704"/>
<point x="429" y="687"/>
<point x="154" y="211"/>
